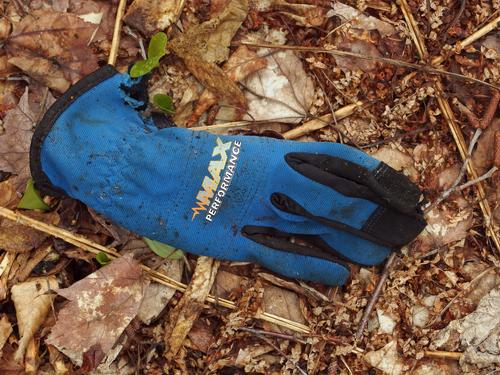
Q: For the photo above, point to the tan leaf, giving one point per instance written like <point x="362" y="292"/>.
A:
<point x="210" y="40"/>
<point x="157" y="295"/>
<point x="53" y="39"/>
<point x="182" y="317"/>
<point x="16" y="139"/>
<point x="149" y="16"/>
<point x="100" y="308"/>
<point x="32" y="301"/>
<point x="484" y="155"/>
<point x="358" y="20"/>
<point x="280" y="92"/>
<point x="7" y="193"/>
<point x="397" y="160"/>
<point x="208" y="43"/>
<point x="386" y="359"/>
<point x="242" y="63"/>
<point x="284" y="303"/>
<point x="362" y="48"/>
<point x="5" y="331"/>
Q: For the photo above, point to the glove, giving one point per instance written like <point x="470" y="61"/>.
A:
<point x="300" y="209"/>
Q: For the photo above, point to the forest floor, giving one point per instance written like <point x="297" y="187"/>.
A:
<point x="413" y="83"/>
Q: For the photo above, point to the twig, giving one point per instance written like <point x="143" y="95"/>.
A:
<point x="491" y="110"/>
<point x="375" y="295"/>
<point x="461" y="174"/>
<point x="115" y="43"/>
<point x="485" y="176"/>
<point x="283" y="354"/>
<point x="321" y="122"/>
<point x="335" y="52"/>
<point x="414" y="31"/>
<point x="95" y="248"/>
<point x="444" y="355"/>
<point x="273" y="334"/>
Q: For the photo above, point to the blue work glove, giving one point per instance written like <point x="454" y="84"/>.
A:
<point x="300" y="209"/>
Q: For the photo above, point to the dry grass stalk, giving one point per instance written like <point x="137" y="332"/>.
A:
<point x="96" y="248"/>
<point x="115" y="43"/>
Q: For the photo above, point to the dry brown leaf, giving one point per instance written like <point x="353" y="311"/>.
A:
<point x="204" y="45"/>
<point x="16" y="139"/>
<point x="227" y="283"/>
<point x="210" y="40"/>
<point x="284" y="303"/>
<point x="484" y="155"/>
<point x="310" y="15"/>
<point x="32" y="300"/>
<point x="201" y="336"/>
<point x="5" y="331"/>
<point x="8" y="197"/>
<point x="182" y="317"/>
<point x="397" y="160"/>
<point x="242" y="63"/>
<point x="386" y="359"/>
<point x="362" y="48"/>
<point x="46" y="42"/>
<point x="100" y="307"/>
<point x="157" y="295"/>
<point x="358" y="20"/>
<point x="149" y="16"/>
<point x="19" y="238"/>
<point x="280" y="92"/>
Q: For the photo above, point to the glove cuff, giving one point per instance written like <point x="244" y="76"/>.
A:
<point x="41" y="180"/>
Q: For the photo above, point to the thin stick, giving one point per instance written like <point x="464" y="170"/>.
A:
<point x="272" y="334"/>
<point x="461" y="174"/>
<point x="95" y="248"/>
<point x="414" y="31"/>
<point x="335" y="52"/>
<point x="115" y="43"/>
<point x="444" y="355"/>
<point x="375" y="295"/>
<point x="322" y="121"/>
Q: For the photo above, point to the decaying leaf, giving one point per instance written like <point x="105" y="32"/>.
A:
<point x="241" y="64"/>
<point x="100" y="307"/>
<point x="16" y="138"/>
<point x="476" y="334"/>
<point x="149" y="16"/>
<point x="17" y="238"/>
<point x="210" y="40"/>
<point x="5" y="331"/>
<point x="386" y="359"/>
<point x="182" y="317"/>
<point x="283" y="303"/>
<point x="53" y="48"/>
<point x="397" y="160"/>
<point x="157" y="295"/>
<point x="484" y="155"/>
<point x="203" y="45"/>
<point x="358" y="20"/>
<point x="282" y="91"/>
<point x="32" y="300"/>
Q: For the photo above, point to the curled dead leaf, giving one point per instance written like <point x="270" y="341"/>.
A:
<point x="32" y="300"/>
<point x="150" y="16"/>
<point x="55" y="41"/>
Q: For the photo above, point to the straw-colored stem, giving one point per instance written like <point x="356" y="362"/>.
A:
<point x="95" y="248"/>
<point x="418" y="40"/>
<point x="115" y="43"/>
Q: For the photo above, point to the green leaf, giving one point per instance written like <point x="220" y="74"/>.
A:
<point x="156" y="51"/>
<point x="31" y="199"/>
<point x="163" y="250"/>
<point x="165" y="103"/>
<point x="157" y="46"/>
<point x="102" y="258"/>
<point x="143" y="67"/>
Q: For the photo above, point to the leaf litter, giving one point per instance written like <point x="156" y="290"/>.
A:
<point x="444" y="284"/>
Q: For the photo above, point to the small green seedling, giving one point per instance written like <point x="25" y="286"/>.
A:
<point x="156" y="51"/>
<point x="102" y="258"/>
<point x="163" y="250"/>
<point x="165" y="103"/>
<point x="31" y="199"/>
